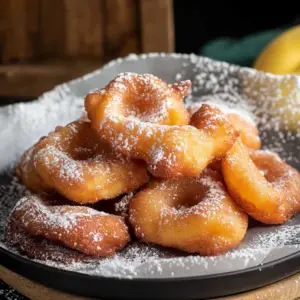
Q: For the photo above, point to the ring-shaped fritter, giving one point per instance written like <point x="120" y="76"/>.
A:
<point x="81" y="228"/>
<point x="248" y="130"/>
<point x="193" y="214"/>
<point x="26" y="172"/>
<point x="144" y="118"/>
<point x="262" y="184"/>
<point x="76" y="163"/>
<point x="246" y="127"/>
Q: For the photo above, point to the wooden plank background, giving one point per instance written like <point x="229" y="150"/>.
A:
<point x="157" y="36"/>
<point x="39" y="29"/>
<point x="46" y="42"/>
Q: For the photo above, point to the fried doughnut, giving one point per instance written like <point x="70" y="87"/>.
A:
<point x="194" y="214"/>
<point x="281" y="55"/>
<point x="138" y="115"/>
<point x="262" y="184"/>
<point x="77" y="227"/>
<point x="244" y="125"/>
<point x="40" y="248"/>
<point x="248" y="131"/>
<point x="248" y="135"/>
<point x="74" y="161"/>
<point x="25" y="171"/>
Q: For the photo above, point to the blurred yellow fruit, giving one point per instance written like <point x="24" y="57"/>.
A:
<point x="282" y="57"/>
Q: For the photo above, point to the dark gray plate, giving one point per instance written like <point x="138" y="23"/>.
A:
<point x="267" y="254"/>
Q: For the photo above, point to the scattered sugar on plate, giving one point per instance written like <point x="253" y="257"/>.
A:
<point x="254" y="95"/>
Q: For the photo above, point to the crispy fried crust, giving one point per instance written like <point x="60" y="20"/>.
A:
<point x="144" y="118"/>
<point x="262" y="184"/>
<point x="80" y="228"/>
<point x="75" y="162"/>
<point x="193" y="214"/>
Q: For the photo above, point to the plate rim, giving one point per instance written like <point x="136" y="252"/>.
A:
<point x="197" y="277"/>
<point x="21" y="265"/>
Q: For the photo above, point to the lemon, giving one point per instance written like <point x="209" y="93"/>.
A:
<point x="282" y="57"/>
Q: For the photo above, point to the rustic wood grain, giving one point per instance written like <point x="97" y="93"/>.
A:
<point x="33" y="290"/>
<point x="52" y="28"/>
<point x="34" y="31"/>
<point x="121" y="27"/>
<point x="18" y="29"/>
<point x="3" y="25"/>
<point x="31" y="80"/>
<point x="39" y="29"/>
<point x="84" y="28"/>
<point x="288" y="289"/>
<point x="157" y="25"/>
<point x="32" y="27"/>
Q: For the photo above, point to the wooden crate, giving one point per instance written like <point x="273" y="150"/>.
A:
<point x="46" y="42"/>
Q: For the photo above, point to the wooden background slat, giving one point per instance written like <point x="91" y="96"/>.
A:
<point x="121" y="27"/>
<point x="52" y="28"/>
<point x="84" y="28"/>
<point x="19" y="21"/>
<point x="73" y="37"/>
<point x="31" y="80"/>
<point x="157" y="25"/>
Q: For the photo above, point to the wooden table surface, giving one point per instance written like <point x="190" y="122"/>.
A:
<point x="8" y="293"/>
<point x="288" y="289"/>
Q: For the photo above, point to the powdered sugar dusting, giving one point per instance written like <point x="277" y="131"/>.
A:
<point x="143" y="90"/>
<point x="131" y="136"/>
<point x="239" y="88"/>
<point x="34" y="209"/>
<point x="207" y="205"/>
<point x="122" y="206"/>
<point x="28" y="122"/>
<point x="74" y="154"/>
<point x="137" y="111"/>
<point x="216" y="100"/>
<point x="9" y="195"/>
<point x="70" y="170"/>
